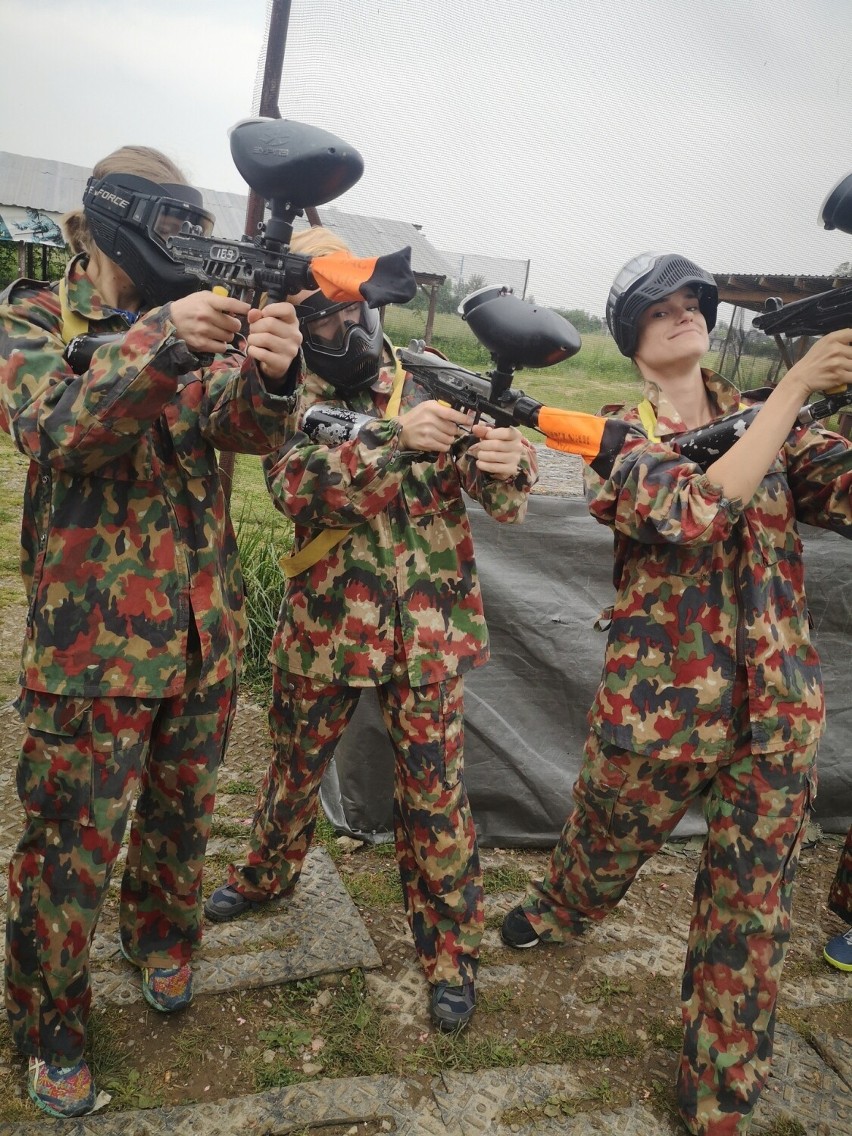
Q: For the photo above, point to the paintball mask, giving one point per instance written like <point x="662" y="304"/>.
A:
<point x="644" y="281"/>
<point x="342" y="343"/>
<point x="131" y="219"/>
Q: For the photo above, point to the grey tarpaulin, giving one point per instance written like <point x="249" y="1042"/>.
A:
<point x="544" y="582"/>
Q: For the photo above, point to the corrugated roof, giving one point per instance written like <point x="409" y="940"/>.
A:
<point x="750" y="290"/>
<point x="55" y="187"/>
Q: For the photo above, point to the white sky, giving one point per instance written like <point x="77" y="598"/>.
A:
<point x="572" y="134"/>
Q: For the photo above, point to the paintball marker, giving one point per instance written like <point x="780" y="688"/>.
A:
<point x="292" y="166"/>
<point x="827" y="311"/>
<point x="516" y="334"/>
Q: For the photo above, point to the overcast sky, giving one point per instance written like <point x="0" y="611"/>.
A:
<point x="572" y="134"/>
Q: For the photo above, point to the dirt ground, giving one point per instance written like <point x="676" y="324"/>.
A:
<point x="609" y="1005"/>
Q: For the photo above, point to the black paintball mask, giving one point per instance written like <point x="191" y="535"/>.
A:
<point x="342" y="343"/>
<point x="131" y="219"/>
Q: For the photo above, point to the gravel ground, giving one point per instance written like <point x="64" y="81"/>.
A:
<point x="559" y="475"/>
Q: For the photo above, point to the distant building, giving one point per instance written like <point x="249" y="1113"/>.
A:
<point x="498" y="270"/>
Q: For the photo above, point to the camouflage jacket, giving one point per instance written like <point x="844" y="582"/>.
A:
<point x="125" y="527"/>
<point x="407" y="566"/>
<point x="706" y="585"/>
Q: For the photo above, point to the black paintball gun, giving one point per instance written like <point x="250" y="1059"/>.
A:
<point x="516" y="334"/>
<point x="292" y="166"/>
<point x="827" y="311"/>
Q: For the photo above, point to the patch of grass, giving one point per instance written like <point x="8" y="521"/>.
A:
<point x="494" y="1001"/>
<point x="14" y="1102"/>
<point x="560" y="1046"/>
<point x="112" y="1071"/>
<point x="561" y="1104"/>
<point x="353" y="1033"/>
<point x="13" y="469"/>
<point x="466" y="1052"/>
<point x="665" y="1035"/>
<point x="786" y="1125"/>
<point x="461" y="1052"/>
<point x="262" y="543"/>
<point x="662" y="1097"/>
<point x="800" y="1023"/>
<point x="504" y="877"/>
<point x="239" y="789"/>
<point x="228" y="829"/>
<point x="380" y="888"/>
<point x="606" y="992"/>
<point x="325" y="835"/>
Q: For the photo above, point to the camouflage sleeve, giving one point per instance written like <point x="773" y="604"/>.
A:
<point x="340" y="486"/>
<point x="81" y="422"/>
<point x="654" y="496"/>
<point x="819" y="472"/>
<point x="239" y="412"/>
<point x="505" y="501"/>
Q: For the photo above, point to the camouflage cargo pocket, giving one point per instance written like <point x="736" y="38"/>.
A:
<point x="600" y="783"/>
<point x="54" y="776"/>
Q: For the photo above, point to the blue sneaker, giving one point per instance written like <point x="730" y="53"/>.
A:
<point x="61" y="1092"/>
<point x="838" y="951"/>
<point x="165" y="989"/>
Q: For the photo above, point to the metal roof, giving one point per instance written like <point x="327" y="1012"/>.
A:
<point x="53" y="188"/>
<point x="752" y="291"/>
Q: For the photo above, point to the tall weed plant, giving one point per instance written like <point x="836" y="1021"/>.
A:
<point x="262" y="543"/>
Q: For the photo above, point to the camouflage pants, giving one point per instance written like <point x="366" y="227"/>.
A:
<point x="82" y="763"/>
<point x="434" y="835"/>
<point x="756" y="807"/>
<point x="840" y="893"/>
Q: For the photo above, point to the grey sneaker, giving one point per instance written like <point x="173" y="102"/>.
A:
<point x="451" y="1007"/>
<point x="227" y="902"/>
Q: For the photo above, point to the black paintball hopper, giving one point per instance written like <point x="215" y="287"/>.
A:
<point x="319" y="166"/>
<point x="836" y="211"/>
<point x="518" y="334"/>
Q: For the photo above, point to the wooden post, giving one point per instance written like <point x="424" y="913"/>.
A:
<point x="430" y="318"/>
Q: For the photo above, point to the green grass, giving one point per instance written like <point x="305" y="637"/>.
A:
<point x="380" y="888"/>
<point x="467" y="1052"/>
<point x="353" y="1033"/>
<point x="606" y="992"/>
<point x="13" y="467"/>
<point x="504" y="877"/>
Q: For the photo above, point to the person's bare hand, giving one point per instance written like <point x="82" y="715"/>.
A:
<point x="827" y="365"/>
<point x="274" y="338"/>
<point x="206" y="321"/>
<point x="499" y="450"/>
<point x="431" y="426"/>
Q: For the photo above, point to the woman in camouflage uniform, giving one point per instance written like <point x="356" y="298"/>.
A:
<point x="710" y="688"/>
<point x="393" y="603"/>
<point x="135" y="597"/>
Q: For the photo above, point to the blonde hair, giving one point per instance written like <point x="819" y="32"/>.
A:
<point x="143" y="161"/>
<point x="317" y="241"/>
